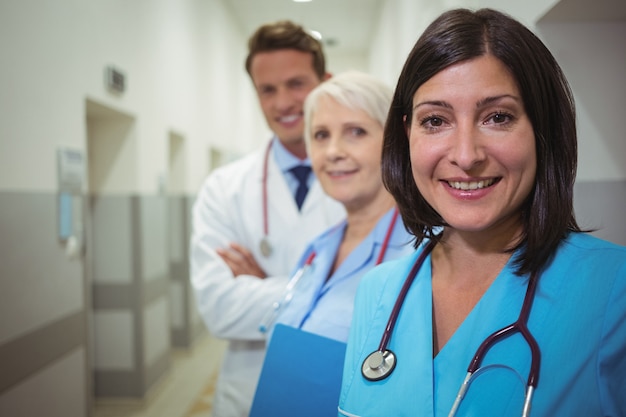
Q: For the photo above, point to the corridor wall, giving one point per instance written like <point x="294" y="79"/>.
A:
<point x="72" y="327"/>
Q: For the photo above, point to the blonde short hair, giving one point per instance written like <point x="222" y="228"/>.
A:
<point x="355" y="90"/>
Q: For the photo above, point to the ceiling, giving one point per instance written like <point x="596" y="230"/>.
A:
<point x="344" y="25"/>
<point x="347" y="25"/>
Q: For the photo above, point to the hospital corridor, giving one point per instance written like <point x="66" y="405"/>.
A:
<point x="186" y="390"/>
<point x="113" y="114"/>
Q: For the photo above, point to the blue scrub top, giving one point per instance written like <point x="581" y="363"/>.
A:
<point x="578" y="318"/>
<point x="324" y="306"/>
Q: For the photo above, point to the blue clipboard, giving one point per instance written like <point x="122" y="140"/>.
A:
<point x="301" y="375"/>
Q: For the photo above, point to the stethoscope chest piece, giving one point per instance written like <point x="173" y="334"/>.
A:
<point x="378" y="365"/>
<point x="265" y="246"/>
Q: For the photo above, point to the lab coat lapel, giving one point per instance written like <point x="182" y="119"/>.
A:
<point x="249" y="230"/>
<point x="280" y="198"/>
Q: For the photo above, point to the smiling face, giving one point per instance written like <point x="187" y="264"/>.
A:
<point x="345" y="150"/>
<point x="282" y="79"/>
<point x="472" y="146"/>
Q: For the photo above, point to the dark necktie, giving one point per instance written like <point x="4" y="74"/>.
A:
<point x="301" y="172"/>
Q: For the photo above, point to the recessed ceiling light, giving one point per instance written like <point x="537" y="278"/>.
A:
<point x="317" y="35"/>
<point x="301" y="1"/>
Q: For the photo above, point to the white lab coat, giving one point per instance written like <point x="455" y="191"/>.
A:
<point x="228" y="209"/>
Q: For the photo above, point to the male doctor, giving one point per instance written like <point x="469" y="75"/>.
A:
<point x="253" y="217"/>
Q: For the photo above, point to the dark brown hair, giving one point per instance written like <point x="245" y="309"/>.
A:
<point x="285" y="34"/>
<point x="459" y="35"/>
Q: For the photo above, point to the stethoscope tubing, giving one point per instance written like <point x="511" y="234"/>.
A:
<point x="520" y="325"/>
<point x="382" y="369"/>
<point x="380" y="363"/>
<point x="264" y="189"/>
<point x="271" y="316"/>
<point x="391" y="323"/>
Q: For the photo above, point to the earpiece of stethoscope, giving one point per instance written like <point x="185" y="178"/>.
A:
<point x="378" y="365"/>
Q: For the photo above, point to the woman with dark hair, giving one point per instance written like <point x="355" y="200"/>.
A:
<point x="480" y="153"/>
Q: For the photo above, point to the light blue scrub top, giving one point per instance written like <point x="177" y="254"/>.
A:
<point x="578" y="318"/>
<point x="324" y="307"/>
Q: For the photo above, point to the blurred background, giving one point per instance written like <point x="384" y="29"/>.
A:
<point x="111" y="115"/>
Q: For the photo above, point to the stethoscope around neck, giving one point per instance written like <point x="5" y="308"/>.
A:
<point x="272" y="314"/>
<point x="379" y="364"/>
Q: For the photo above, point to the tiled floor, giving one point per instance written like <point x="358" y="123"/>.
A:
<point x="185" y="391"/>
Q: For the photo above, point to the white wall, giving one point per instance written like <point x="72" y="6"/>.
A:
<point x="528" y="12"/>
<point x="184" y="66"/>
<point x="403" y="21"/>
<point x="344" y="60"/>
<point x="593" y="58"/>
<point x="183" y="60"/>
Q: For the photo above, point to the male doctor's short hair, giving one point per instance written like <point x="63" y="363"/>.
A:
<point x="285" y="34"/>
